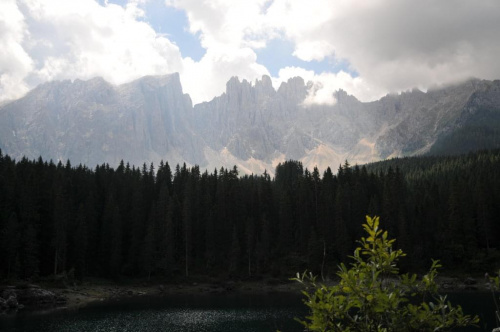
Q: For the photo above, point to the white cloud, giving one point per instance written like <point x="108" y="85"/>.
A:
<point x="15" y="63"/>
<point x="207" y="78"/>
<point x="323" y="86"/>
<point x="93" y="40"/>
<point x="230" y="31"/>
<point x="226" y="23"/>
<point x="315" y="50"/>
<point x="393" y="45"/>
<point x="398" y="44"/>
<point x="60" y="39"/>
<point x="299" y="19"/>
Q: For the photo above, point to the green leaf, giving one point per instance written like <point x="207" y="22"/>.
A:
<point x="379" y="305"/>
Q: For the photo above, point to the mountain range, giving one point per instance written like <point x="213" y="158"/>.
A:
<point x="252" y="125"/>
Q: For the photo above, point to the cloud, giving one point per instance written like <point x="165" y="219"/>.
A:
<point x="382" y="45"/>
<point x="230" y="31"/>
<point x="207" y="78"/>
<point x="91" y="40"/>
<point x="316" y="50"/>
<point x="59" y="39"/>
<point x="392" y="45"/>
<point x="227" y="23"/>
<point x="321" y="87"/>
<point x="15" y="63"/>
<point x="398" y="44"/>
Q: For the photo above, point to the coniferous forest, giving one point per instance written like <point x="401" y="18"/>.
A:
<point x="163" y="222"/>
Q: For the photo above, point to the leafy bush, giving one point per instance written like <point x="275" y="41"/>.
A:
<point x="373" y="296"/>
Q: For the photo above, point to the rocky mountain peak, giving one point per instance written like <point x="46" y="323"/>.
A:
<point x="265" y="82"/>
<point x="160" y="83"/>
<point x="239" y="93"/>
<point x="264" y="88"/>
<point x="173" y="80"/>
<point x="342" y="97"/>
<point x="294" y="89"/>
<point x="251" y="125"/>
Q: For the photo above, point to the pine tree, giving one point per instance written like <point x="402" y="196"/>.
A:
<point x="263" y="247"/>
<point x="250" y="242"/>
<point x="148" y="247"/>
<point x="234" y="254"/>
<point x="81" y="242"/>
<point x="10" y="242"/>
<point x="59" y="232"/>
<point x="30" y="249"/>
<point x="187" y="221"/>
<point x="164" y="231"/>
<point x="115" y="254"/>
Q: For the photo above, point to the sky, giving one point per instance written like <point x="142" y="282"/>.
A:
<point x="366" y="47"/>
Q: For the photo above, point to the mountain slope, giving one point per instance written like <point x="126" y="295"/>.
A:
<point x="253" y="126"/>
<point x="94" y="122"/>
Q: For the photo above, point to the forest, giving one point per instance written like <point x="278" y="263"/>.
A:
<point x="172" y="223"/>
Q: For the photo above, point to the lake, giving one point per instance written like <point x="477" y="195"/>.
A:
<point x="204" y="313"/>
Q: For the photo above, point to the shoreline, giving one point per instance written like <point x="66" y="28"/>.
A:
<point x="79" y="296"/>
<point x="82" y="295"/>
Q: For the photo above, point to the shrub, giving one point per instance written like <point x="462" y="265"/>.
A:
<point x="373" y="296"/>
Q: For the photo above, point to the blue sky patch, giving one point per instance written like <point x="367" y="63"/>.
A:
<point x="278" y="54"/>
<point x="174" y="23"/>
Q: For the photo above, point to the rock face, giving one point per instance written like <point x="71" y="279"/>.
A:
<point x="94" y="122"/>
<point x="251" y="125"/>
<point x="258" y="123"/>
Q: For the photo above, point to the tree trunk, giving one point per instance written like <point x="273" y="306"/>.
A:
<point x="187" y="254"/>
<point x="249" y="265"/>
<point x="323" y="262"/>
<point x="55" y="263"/>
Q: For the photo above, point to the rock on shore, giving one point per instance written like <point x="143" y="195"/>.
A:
<point x="17" y="297"/>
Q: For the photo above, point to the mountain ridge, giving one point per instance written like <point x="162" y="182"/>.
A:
<point x="251" y="125"/>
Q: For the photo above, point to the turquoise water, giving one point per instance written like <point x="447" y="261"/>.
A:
<point x="204" y="313"/>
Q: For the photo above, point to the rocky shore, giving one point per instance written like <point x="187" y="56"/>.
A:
<point x="31" y="296"/>
<point x="28" y="296"/>
<point x="13" y="298"/>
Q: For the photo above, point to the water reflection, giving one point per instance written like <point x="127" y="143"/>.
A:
<point x="174" y="320"/>
<point x="205" y="313"/>
<point x="175" y="313"/>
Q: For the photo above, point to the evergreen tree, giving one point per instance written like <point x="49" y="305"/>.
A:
<point x="235" y="253"/>
<point x="115" y="254"/>
<point x="148" y="247"/>
<point x="250" y="242"/>
<point x="81" y="242"/>
<point x="59" y="232"/>
<point x="108" y="223"/>
<point x="11" y="242"/>
<point x="30" y="249"/>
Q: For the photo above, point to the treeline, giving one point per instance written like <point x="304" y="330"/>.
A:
<point x="164" y="222"/>
<point x="482" y="131"/>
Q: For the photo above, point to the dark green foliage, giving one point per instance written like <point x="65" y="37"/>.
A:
<point x="133" y="222"/>
<point x="372" y="295"/>
<point x="11" y="235"/>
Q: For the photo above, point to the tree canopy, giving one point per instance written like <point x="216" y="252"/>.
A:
<point x="158" y="221"/>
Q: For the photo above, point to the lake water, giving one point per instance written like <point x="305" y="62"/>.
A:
<point x="204" y="313"/>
